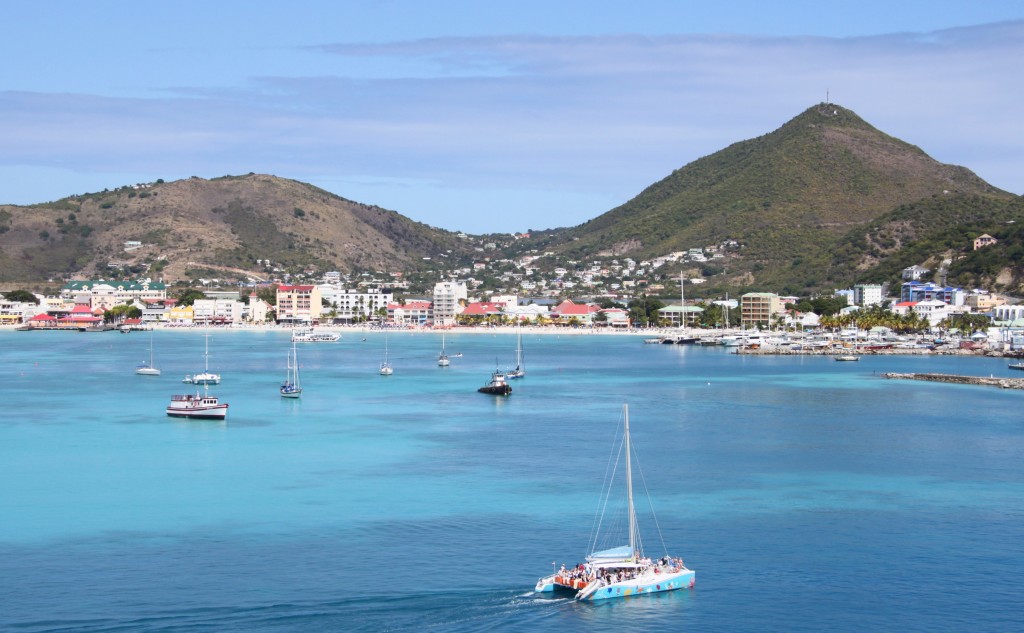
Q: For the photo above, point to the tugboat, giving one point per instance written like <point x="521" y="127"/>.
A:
<point x="496" y="385"/>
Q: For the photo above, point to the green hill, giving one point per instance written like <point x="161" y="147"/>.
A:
<point x="787" y="197"/>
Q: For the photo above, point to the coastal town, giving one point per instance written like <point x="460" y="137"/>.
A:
<point x="603" y="295"/>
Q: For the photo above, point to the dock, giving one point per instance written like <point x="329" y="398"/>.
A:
<point x="1002" y="383"/>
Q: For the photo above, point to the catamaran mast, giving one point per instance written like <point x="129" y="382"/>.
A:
<point x="629" y="487"/>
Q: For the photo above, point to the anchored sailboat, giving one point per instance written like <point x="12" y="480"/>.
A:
<point x="292" y="387"/>
<point x="148" y="369"/>
<point x="624" y="570"/>
<point x="442" y="358"/>
<point x="206" y="377"/>
<point x="520" y="369"/>
<point x="385" y="367"/>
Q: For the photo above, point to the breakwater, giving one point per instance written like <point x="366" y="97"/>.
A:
<point x="1002" y="383"/>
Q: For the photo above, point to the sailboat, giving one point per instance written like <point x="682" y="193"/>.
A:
<point x="442" y="358"/>
<point x="624" y="570"/>
<point x="206" y="377"/>
<point x="385" y="367"/>
<point x="148" y="369"/>
<point x="520" y="369"/>
<point x="292" y="387"/>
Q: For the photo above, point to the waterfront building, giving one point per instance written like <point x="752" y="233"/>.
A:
<point x="759" y="308"/>
<point x="447" y="298"/>
<point x="567" y="311"/>
<point x="216" y="311"/>
<point x="410" y="313"/>
<point x="680" y="315"/>
<point x="298" y="304"/>
<point x="107" y="294"/>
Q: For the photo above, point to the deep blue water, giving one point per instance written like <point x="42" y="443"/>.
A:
<point x="808" y="495"/>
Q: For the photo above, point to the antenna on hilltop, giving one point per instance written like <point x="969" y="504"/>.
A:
<point x="826" y="96"/>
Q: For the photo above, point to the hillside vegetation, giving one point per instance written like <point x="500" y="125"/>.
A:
<point x="823" y="202"/>
<point x="788" y="197"/>
<point x="218" y="228"/>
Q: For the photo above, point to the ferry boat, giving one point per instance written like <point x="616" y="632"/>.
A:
<point x="197" y="406"/>
<point x="1016" y="365"/>
<point x="620" y="571"/>
<point x="309" y="335"/>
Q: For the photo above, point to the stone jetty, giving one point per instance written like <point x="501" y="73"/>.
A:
<point x="1002" y="383"/>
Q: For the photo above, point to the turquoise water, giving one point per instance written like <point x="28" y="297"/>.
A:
<point x="807" y="494"/>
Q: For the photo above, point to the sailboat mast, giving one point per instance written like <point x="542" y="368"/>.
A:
<point x="629" y="486"/>
<point x="682" y="302"/>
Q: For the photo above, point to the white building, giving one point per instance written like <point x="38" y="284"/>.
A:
<point x="353" y="305"/>
<point x="447" y="295"/>
<point x="867" y="295"/>
<point x="217" y="311"/>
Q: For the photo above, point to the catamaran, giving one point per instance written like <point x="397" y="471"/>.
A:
<point x="623" y="570"/>
<point x="206" y="377"/>
<point x="292" y="388"/>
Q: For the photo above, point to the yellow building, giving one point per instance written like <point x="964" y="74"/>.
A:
<point x="181" y="315"/>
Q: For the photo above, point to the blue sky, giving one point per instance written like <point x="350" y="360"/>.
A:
<point x="485" y="116"/>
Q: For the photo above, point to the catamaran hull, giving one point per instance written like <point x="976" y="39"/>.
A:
<point x="668" y="582"/>
<point x="651" y="584"/>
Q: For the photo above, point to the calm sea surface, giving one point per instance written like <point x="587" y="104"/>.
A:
<point x="808" y="495"/>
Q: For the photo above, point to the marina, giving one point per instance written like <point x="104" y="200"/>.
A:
<point x="793" y="466"/>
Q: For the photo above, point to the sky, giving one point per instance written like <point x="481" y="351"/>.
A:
<point x="485" y="116"/>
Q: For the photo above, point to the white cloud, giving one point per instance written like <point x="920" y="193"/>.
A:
<point x="585" y="119"/>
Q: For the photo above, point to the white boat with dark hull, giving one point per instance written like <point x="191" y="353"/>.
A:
<point x="497" y="386"/>
<point x="624" y="570"/>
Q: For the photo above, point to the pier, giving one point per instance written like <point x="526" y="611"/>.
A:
<point x="1002" y="383"/>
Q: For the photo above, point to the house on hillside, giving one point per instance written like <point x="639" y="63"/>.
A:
<point x="914" y="273"/>
<point x="984" y="240"/>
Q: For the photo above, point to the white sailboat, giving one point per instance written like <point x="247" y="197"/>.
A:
<point x="520" y="369"/>
<point x="292" y="386"/>
<point x="206" y="377"/>
<point x="624" y="570"/>
<point x="442" y="358"/>
<point x="385" y="367"/>
<point x="148" y="369"/>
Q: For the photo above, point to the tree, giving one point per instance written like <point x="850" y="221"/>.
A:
<point x="121" y="312"/>
<point x="189" y="296"/>
<point x="23" y="296"/>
